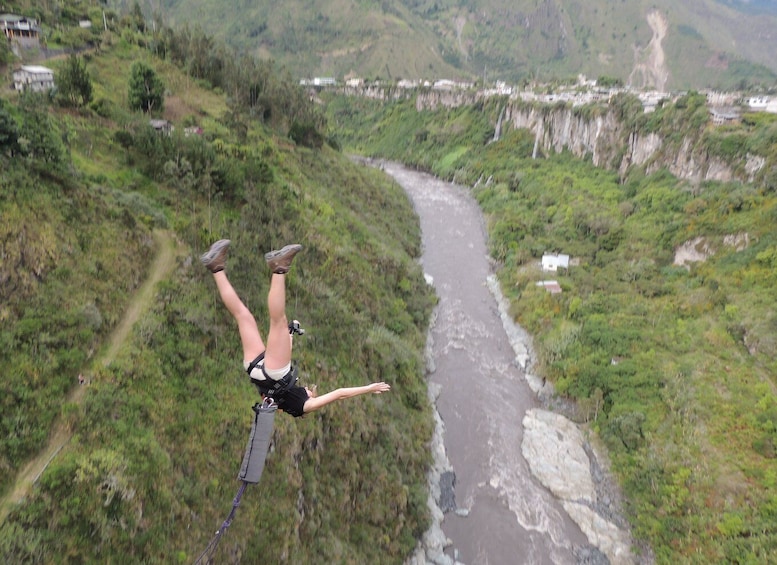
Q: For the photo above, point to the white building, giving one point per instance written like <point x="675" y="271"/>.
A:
<point x="33" y="77"/>
<point x="407" y="83"/>
<point x="552" y="262"/>
<point x="551" y="286"/>
<point x="758" y="102"/>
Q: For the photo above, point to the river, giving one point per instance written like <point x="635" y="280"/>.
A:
<point x="502" y="514"/>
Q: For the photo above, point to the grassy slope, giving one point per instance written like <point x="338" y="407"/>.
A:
<point x="149" y="473"/>
<point x="325" y="38"/>
<point x="688" y="409"/>
<point x="706" y="43"/>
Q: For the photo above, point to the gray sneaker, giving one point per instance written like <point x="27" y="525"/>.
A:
<point x="216" y="256"/>
<point x="280" y="261"/>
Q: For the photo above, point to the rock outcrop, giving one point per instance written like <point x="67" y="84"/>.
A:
<point x="554" y="448"/>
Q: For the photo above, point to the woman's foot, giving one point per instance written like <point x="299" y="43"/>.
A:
<point x="280" y="261"/>
<point x="216" y="256"/>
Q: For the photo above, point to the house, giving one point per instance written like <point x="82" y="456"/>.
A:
<point x="20" y="30"/>
<point x="444" y="84"/>
<point x="34" y="78"/>
<point x="407" y="83"/>
<point x="551" y="286"/>
<point x="324" y="81"/>
<point x="758" y="103"/>
<point x="722" y="116"/>
<point x="552" y="261"/>
<point x="162" y="126"/>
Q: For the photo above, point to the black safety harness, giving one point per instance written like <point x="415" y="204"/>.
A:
<point x="271" y="388"/>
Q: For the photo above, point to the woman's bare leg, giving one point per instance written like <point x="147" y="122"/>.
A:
<point x="278" y="353"/>
<point x="250" y="337"/>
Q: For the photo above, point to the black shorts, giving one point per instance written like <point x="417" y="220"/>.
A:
<point x="292" y="401"/>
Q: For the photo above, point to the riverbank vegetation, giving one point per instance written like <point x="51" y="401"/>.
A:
<point x="672" y="365"/>
<point x="149" y="471"/>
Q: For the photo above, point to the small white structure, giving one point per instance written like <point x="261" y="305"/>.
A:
<point x="722" y="116"/>
<point x="758" y="103"/>
<point x="407" y="83"/>
<point x="444" y="84"/>
<point x="324" y="81"/>
<point x="552" y="261"/>
<point x="33" y="77"/>
<point x="162" y="126"/>
<point x="551" y="286"/>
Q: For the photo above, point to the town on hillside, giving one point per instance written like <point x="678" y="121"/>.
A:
<point x="725" y="107"/>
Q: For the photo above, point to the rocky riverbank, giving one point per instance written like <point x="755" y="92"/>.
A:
<point x="560" y="456"/>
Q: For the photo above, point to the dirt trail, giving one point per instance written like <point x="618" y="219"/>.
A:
<point x="60" y="434"/>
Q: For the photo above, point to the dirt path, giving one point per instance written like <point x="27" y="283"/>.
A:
<point x="60" y="434"/>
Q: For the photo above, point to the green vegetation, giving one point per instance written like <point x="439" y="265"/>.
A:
<point x="673" y="367"/>
<point x="74" y="85"/>
<point x="149" y="472"/>
<point x="513" y="41"/>
<point x="146" y="90"/>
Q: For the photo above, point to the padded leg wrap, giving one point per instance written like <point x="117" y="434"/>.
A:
<point x="258" y="443"/>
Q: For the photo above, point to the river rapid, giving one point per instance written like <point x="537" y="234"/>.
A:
<point x="489" y="506"/>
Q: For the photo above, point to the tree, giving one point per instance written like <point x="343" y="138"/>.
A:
<point x="6" y="55"/>
<point x="9" y="132"/>
<point x="146" y="89"/>
<point x="74" y="85"/>
<point x="40" y="138"/>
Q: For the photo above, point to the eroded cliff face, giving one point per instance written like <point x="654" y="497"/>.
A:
<point x="600" y="137"/>
<point x="559" y="129"/>
<point x="606" y="142"/>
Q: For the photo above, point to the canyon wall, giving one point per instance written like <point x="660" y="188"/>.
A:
<point x="601" y="137"/>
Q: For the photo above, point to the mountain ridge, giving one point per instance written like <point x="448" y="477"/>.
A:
<point x="706" y="43"/>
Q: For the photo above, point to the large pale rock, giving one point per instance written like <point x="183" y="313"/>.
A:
<point x="553" y="447"/>
<point x="606" y="536"/>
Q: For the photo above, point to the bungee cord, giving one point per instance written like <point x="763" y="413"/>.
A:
<point x="250" y="469"/>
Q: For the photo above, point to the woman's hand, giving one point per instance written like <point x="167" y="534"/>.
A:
<point x="377" y="388"/>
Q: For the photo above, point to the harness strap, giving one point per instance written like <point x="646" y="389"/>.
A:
<point x="271" y="387"/>
<point x="252" y="365"/>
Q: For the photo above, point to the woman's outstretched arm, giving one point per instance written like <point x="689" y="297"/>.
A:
<point x="316" y="402"/>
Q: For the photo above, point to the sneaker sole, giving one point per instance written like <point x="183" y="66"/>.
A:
<point x="214" y="251"/>
<point x="284" y="251"/>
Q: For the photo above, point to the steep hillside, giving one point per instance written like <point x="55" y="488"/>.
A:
<point x="663" y="44"/>
<point x="158" y="432"/>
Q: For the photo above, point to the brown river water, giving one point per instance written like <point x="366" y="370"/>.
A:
<point x="502" y="514"/>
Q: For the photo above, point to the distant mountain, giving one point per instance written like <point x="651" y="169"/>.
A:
<point x="752" y="6"/>
<point x="658" y="43"/>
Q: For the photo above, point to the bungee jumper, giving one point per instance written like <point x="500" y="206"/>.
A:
<point x="269" y="367"/>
